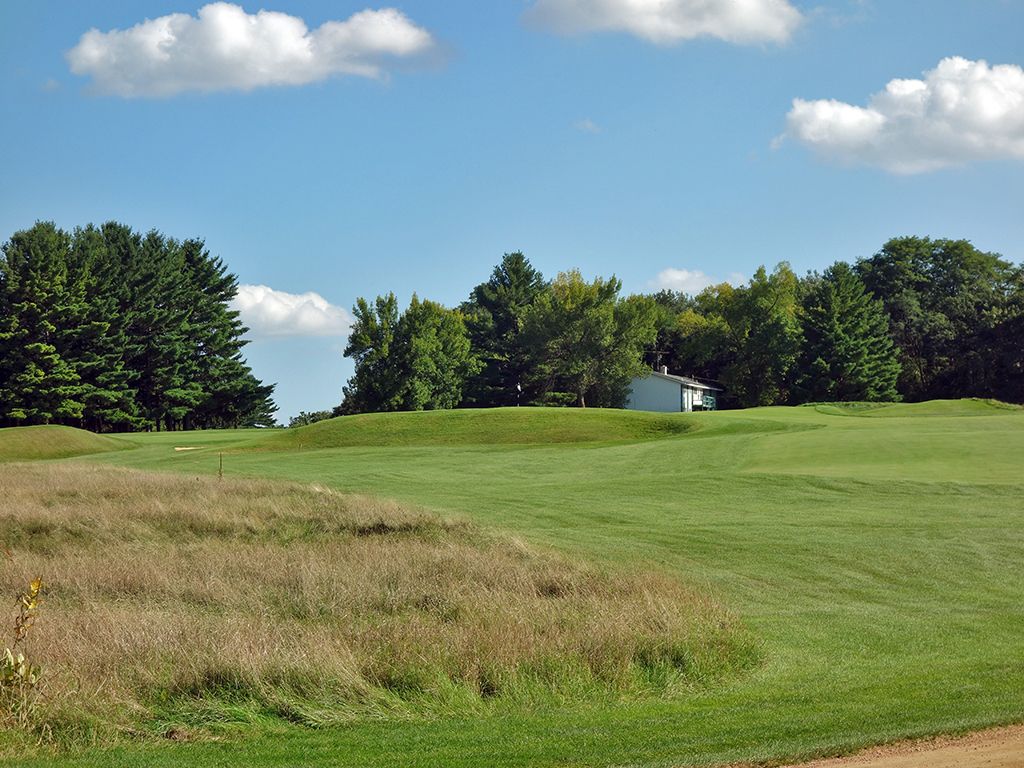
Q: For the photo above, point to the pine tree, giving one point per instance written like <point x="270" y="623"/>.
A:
<point x="214" y="364"/>
<point x="848" y="354"/>
<point x="95" y="339"/>
<point x="494" y="317"/>
<point x="37" y="384"/>
<point x="112" y="330"/>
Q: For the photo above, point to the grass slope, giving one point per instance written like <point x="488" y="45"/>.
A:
<point x="876" y="559"/>
<point x="479" y="426"/>
<point x="53" y="442"/>
<point x="966" y="407"/>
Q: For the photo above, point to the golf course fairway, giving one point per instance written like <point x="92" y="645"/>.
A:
<point x="875" y="553"/>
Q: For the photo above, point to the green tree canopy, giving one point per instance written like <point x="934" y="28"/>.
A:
<point x="587" y="343"/>
<point x="494" y="317"/>
<point x="747" y="337"/>
<point x="375" y="383"/>
<point x="419" y="360"/>
<point x="946" y="301"/>
<point x="38" y="385"/>
<point x="847" y="352"/>
<point x="110" y="329"/>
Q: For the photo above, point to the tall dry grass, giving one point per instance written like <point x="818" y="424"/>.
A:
<point x="180" y="603"/>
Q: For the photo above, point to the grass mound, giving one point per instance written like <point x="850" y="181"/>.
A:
<point x="848" y="409"/>
<point x="178" y="604"/>
<point x="966" y="407"/>
<point x="53" y="442"/>
<point x="481" y="426"/>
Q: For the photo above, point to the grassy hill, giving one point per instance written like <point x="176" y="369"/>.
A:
<point x="480" y="426"/>
<point x="874" y="554"/>
<point x="53" y="442"/>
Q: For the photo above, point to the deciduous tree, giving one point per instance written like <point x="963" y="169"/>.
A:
<point x="586" y="343"/>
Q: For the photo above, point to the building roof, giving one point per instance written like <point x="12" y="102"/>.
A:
<point x="687" y="381"/>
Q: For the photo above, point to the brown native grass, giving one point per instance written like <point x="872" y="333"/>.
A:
<point x="180" y="605"/>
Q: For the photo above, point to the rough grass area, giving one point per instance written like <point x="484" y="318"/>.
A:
<point x="177" y="605"/>
<point x="480" y="426"/>
<point x="54" y="442"/>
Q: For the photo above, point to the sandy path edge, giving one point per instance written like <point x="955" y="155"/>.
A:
<point x="993" y="748"/>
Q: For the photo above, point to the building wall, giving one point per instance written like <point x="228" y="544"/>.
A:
<point x="655" y="394"/>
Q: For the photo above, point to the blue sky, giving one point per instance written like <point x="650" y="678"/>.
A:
<point x="642" y="146"/>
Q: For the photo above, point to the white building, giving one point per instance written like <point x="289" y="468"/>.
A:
<point x="661" y="391"/>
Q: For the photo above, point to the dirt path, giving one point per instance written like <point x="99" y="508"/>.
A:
<point x="998" y="748"/>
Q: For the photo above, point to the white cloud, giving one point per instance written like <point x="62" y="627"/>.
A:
<point x="225" y="48"/>
<point x="960" y="112"/>
<point x="270" y="313"/>
<point x="691" y="281"/>
<point x="586" y="125"/>
<point x="670" y="21"/>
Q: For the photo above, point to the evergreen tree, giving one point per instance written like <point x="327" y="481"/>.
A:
<point x="161" y="304"/>
<point x="374" y="385"/>
<point x="96" y="342"/>
<point x="494" y="315"/>
<point x="847" y="352"/>
<point x="214" y="375"/>
<point x="253" y="405"/>
<point x="37" y="384"/>
<point x="112" y="330"/>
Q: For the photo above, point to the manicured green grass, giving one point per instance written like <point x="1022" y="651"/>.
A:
<point x="877" y="558"/>
<point x="484" y="426"/>
<point x="53" y="442"/>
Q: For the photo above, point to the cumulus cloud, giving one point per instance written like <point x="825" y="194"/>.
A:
<point x="225" y="48"/>
<point x="961" y="111"/>
<point x="270" y="313"/>
<point x="665" y="22"/>
<point x="691" y="281"/>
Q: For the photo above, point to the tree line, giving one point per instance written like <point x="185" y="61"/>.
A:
<point x="920" y="319"/>
<point x="114" y="330"/>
